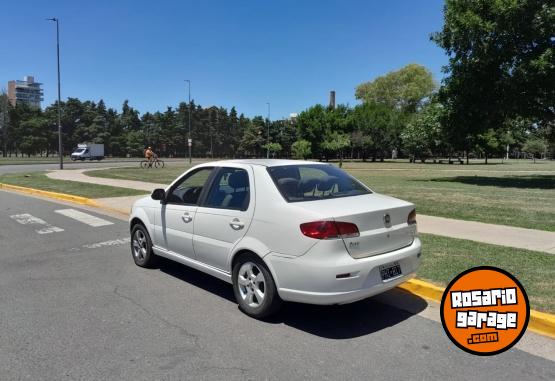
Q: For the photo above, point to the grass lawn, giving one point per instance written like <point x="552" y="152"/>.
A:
<point x="29" y="160"/>
<point x="443" y="258"/>
<point x="518" y="193"/>
<point x="152" y="175"/>
<point x="38" y="180"/>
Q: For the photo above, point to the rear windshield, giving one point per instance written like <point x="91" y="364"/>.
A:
<point x="314" y="182"/>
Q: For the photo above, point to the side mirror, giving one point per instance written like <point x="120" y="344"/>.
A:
<point x="158" y="194"/>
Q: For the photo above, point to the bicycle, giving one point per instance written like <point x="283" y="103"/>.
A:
<point x="156" y="163"/>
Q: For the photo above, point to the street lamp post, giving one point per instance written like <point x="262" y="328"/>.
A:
<point x="189" y="141"/>
<point x="60" y="146"/>
<point x="268" y="134"/>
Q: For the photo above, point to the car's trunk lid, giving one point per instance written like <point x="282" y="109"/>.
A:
<point x="381" y="221"/>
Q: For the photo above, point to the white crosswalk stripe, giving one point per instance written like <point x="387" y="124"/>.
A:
<point x="28" y="219"/>
<point x="84" y="217"/>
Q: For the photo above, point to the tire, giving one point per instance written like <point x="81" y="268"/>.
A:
<point x="144" y="164"/>
<point x="159" y="164"/>
<point x="141" y="247"/>
<point x="254" y="287"/>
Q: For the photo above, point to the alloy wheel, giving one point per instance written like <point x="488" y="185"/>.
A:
<point x="252" y="284"/>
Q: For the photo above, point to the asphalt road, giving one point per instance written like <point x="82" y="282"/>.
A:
<point x="74" y="306"/>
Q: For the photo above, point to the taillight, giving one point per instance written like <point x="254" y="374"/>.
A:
<point x="347" y="229"/>
<point x="329" y="229"/>
<point x="411" y="220"/>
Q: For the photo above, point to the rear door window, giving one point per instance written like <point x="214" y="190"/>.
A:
<point x="314" y="182"/>
<point x="230" y="190"/>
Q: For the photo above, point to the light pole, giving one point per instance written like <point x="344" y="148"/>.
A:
<point x="60" y="146"/>
<point x="189" y="141"/>
<point x="268" y="134"/>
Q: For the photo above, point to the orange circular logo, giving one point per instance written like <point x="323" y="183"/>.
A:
<point x="485" y="310"/>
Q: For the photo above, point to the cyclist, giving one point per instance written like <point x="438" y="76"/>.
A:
<point x="149" y="155"/>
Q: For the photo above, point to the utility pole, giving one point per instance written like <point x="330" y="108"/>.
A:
<point x="60" y="146"/>
<point x="268" y="134"/>
<point x="189" y="140"/>
<point x="4" y="120"/>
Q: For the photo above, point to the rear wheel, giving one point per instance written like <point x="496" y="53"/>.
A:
<point x="144" y="164"/>
<point x="254" y="287"/>
<point x="141" y="247"/>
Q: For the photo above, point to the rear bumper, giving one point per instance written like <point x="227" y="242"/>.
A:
<point x="312" y="278"/>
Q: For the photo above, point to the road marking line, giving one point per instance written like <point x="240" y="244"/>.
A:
<point x="28" y="219"/>
<point x="50" y="229"/>
<point x="84" y="217"/>
<point x="113" y="242"/>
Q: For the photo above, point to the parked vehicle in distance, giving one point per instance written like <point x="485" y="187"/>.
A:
<point x="279" y="230"/>
<point x="88" y="151"/>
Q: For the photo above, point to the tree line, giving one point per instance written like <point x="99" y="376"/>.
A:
<point x="215" y="131"/>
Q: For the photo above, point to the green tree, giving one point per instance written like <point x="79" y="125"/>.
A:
<point x="535" y="146"/>
<point x="301" y="149"/>
<point x="252" y="140"/>
<point x="336" y="142"/>
<point x="379" y="127"/>
<point x="405" y="89"/>
<point x="488" y="142"/>
<point x="312" y="126"/>
<point x="274" y="148"/>
<point x="501" y="65"/>
<point x="422" y="137"/>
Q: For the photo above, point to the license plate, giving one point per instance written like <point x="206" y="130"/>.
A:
<point x="390" y="271"/>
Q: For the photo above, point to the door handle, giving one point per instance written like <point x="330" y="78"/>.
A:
<point x="236" y="224"/>
<point x="186" y="217"/>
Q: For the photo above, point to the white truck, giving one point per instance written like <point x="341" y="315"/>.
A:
<point x="88" y="151"/>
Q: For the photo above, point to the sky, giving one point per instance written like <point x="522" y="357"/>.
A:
<point x="236" y="53"/>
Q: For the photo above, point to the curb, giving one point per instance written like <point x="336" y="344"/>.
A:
<point x="540" y="322"/>
<point x="55" y="195"/>
<point x="61" y="196"/>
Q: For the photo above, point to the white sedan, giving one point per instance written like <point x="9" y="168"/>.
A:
<point x="279" y="230"/>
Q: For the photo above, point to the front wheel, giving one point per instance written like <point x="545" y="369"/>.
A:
<point x="141" y="247"/>
<point x="159" y="164"/>
<point x="254" y="287"/>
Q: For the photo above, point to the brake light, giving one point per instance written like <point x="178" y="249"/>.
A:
<point x="347" y="229"/>
<point x="329" y="229"/>
<point x="411" y="219"/>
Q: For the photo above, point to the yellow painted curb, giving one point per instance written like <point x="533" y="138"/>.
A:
<point x="64" y="197"/>
<point x="56" y="195"/>
<point x="540" y="322"/>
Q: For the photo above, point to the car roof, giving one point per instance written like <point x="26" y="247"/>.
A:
<point x="264" y="162"/>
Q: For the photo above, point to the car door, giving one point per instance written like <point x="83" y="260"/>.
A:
<point x="175" y="221"/>
<point x="224" y="215"/>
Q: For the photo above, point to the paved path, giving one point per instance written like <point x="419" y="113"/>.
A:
<point x="530" y="239"/>
<point x="78" y="175"/>
<point x="521" y="238"/>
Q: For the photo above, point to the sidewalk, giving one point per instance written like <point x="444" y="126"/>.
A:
<point x="521" y="238"/>
<point x="78" y="175"/>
